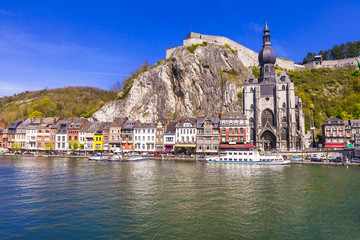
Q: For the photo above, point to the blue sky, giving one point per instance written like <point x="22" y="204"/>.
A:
<point x="49" y="44"/>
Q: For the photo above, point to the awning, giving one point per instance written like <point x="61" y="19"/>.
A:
<point x="237" y="146"/>
<point x="349" y="146"/>
<point x="185" y="145"/>
<point x="334" y="144"/>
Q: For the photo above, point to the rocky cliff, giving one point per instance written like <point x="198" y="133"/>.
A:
<point x="199" y="80"/>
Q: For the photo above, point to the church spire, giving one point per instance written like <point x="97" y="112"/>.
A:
<point x="266" y="37"/>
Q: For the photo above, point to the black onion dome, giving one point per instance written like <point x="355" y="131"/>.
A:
<point x="267" y="55"/>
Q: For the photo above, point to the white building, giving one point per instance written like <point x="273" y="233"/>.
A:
<point x="185" y="131"/>
<point x="62" y="143"/>
<point x="144" y="137"/>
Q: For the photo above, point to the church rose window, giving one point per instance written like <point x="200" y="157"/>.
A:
<point x="267" y="116"/>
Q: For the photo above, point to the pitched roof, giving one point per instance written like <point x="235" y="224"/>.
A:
<point x="171" y="127"/>
<point x="233" y="115"/>
<point x="119" y="122"/>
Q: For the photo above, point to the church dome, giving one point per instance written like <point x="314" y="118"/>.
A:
<point x="267" y="55"/>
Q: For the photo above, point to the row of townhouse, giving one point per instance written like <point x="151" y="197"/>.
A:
<point x="338" y="133"/>
<point x="189" y="135"/>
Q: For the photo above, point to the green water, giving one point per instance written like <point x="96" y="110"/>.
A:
<point x="61" y="198"/>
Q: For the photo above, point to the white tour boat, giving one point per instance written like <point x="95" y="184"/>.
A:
<point x="99" y="158"/>
<point x="246" y="157"/>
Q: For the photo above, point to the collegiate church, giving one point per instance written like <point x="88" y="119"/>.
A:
<point x="274" y="112"/>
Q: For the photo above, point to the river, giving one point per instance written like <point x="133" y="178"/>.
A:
<point x="73" y="198"/>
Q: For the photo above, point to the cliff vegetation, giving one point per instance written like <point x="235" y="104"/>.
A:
<point x="59" y="102"/>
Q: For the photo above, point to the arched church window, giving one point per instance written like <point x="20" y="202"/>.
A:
<point x="283" y="134"/>
<point x="284" y="105"/>
<point x="283" y="87"/>
<point x="267" y="116"/>
<point x="252" y="134"/>
<point x="251" y="106"/>
<point x="267" y="69"/>
<point x="251" y="120"/>
<point x="284" y="119"/>
<point x="251" y="90"/>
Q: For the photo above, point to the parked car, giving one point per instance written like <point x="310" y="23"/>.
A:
<point x="315" y="159"/>
<point x="355" y="160"/>
<point x="338" y="160"/>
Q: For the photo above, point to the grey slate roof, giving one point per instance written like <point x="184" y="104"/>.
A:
<point x="89" y="127"/>
<point x="334" y="121"/>
<point x="171" y="127"/>
<point x="119" y="122"/>
<point x="233" y="115"/>
<point x="215" y="121"/>
<point x="129" y="124"/>
<point x="146" y="125"/>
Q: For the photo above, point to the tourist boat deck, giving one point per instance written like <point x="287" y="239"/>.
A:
<point x="246" y="157"/>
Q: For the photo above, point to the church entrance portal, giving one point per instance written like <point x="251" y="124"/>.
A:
<point x="268" y="141"/>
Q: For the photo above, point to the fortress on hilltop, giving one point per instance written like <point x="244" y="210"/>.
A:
<point x="250" y="57"/>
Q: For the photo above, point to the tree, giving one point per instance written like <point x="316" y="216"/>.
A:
<point x="16" y="146"/>
<point x="35" y="114"/>
<point x="75" y="145"/>
<point x="49" y="146"/>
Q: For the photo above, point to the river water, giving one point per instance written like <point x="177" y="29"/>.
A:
<point x="69" y="198"/>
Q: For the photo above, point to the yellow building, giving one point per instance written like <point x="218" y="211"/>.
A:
<point x="98" y="141"/>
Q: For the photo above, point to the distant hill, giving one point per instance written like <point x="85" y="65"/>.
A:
<point x="60" y="102"/>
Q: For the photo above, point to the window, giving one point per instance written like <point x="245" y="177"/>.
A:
<point x="283" y="87"/>
<point x="251" y="90"/>
<point x="284" y="119"/>
<point x="267" y="69"/>
<point x="283" y="134"/>
<point x="284" y="105"/>
<point x="267" y="116"/>
<point x="251" y="106"/>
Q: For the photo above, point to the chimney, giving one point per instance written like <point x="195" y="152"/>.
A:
<point x="220" y="115"/>
<point x="182" y="120"/>
<point x="71" y="120"/>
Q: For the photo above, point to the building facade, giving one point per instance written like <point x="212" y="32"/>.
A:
<point x="144" y="137"/>
<point x="208" y="135"/>
<point x="271" y="107"/>
<point x="333" y="133"/>
<point x="185" y="135"/>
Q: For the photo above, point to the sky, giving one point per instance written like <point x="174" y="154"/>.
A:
<point x="49" y="44"/>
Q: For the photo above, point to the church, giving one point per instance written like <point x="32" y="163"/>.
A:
<point x="269" y="103"/>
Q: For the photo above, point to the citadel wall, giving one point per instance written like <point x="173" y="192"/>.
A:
<point x="250" y="57"/>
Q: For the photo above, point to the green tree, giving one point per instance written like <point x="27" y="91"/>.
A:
<point x="75" y="145"/>
<point x="16" y="146"/>
<point x="49" y="146"/>
<point x="35" y="114"/>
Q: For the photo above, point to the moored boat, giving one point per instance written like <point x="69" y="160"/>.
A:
<point x="98" y="158"/>
<point x="135" y="158"/>
<point x="246" y="157"/>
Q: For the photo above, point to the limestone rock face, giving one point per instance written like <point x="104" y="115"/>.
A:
<point x="203" y="82"/>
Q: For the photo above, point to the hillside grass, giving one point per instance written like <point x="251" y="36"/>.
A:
<point x="327" y="93"/>
<point x="59" y="102"/>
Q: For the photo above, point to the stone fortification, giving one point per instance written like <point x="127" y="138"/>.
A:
<point x="342" y="63"/>
<point x="246" y="55"/>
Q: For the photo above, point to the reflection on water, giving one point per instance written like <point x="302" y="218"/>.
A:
<point x="57" y="198"/>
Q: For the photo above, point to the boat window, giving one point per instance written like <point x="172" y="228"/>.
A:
<point x="250" y="153"/>
<point x="230" y="159"/>
<point x="240" y="153"/>
<point x="230" y="153"/>
<point x="235" y="153"/>
<point x="245" y="153"/>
